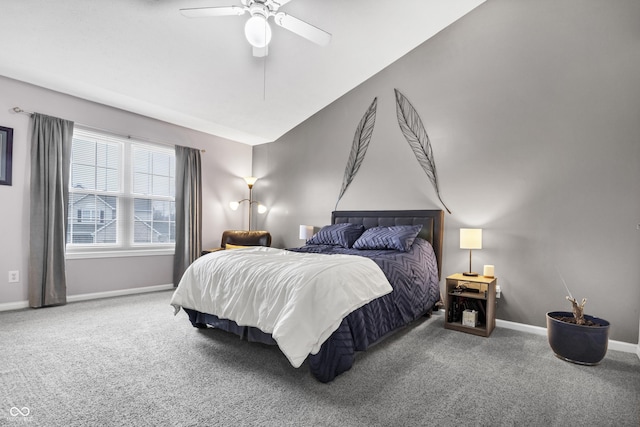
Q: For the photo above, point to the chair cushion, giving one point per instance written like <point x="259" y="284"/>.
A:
<point x="229" y="246"/>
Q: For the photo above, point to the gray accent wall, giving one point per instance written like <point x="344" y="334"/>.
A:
<point x="533" y="109"/>
<point x="222" y="164"/>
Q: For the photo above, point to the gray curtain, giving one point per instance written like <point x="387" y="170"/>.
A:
<point x="50" y="159"/>
<point x="188" y="210"/>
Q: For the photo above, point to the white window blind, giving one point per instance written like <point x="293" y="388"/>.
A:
<point x="121" y="195"/>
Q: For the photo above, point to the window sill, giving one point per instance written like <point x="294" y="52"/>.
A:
<point x="118" y="253"/>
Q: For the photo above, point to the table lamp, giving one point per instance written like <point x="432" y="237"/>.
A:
<point x="470" y="238"/>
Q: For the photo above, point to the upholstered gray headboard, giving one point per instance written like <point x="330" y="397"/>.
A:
<point x="432" y="223"/>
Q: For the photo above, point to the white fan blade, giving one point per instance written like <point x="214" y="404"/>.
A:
<point x="280" y="3"/>
<point x="302" y="29"/>
<point x="260" y="52"/>
<point x="203" y="12"/>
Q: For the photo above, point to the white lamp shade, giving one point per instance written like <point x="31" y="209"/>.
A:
<point x="257" y="31"/>
<point x="306" y="232"/>
<point x="250" y="180"/>
<point x="234" y="205"/>
<point x="470" y="238"/>
<point x="262" y="209"/>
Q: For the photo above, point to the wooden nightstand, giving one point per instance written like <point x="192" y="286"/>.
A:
<point x="473" y="293"/>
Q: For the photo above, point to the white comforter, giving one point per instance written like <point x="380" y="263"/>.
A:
<point x="299" y="298"/>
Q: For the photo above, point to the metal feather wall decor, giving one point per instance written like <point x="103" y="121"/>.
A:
<point x="359" y="147"/>
<point x="416" y="135"/>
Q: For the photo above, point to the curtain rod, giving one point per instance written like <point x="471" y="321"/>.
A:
<point x="19" y="110"/>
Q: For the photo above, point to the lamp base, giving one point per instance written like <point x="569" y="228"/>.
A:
<point x="470" y="274"/>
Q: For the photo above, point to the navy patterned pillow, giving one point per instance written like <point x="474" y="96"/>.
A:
<point x="398" y="237"/>
<point x="337" y="234"/>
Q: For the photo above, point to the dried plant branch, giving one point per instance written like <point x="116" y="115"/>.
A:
<point x="578" y="310"/>
<point x="361" y="140"/>
<point x="565" y="286"/>
<point x="416" y="135"/>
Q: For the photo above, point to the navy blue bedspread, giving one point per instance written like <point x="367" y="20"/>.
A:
<point x="414" y="278"/>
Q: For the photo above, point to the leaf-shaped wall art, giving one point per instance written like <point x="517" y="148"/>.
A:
<point x="416" y="135"/>
<point x="359" y="147"/>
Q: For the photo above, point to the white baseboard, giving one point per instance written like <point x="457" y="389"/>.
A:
<point x="613" y="345"/>
<point x="96" y="295"/>
<point x="118" y="293"/>
<point x="537" y="330"/>
<point x="18" y="305"/>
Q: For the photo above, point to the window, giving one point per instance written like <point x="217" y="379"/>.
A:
<point x="121" y="195"/>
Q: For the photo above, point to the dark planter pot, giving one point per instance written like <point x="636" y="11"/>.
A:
<point x="585" y="345"/>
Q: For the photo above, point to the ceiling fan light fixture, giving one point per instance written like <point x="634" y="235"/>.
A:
<point x="258" y="31"/>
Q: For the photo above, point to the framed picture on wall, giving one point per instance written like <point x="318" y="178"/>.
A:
<point x="6" y="152"/>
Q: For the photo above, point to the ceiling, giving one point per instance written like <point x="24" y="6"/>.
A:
<point x="143" y="56"/>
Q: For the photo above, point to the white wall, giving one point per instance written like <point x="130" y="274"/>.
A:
<point x="222" y="163"/>
<point x="532" y="109"/>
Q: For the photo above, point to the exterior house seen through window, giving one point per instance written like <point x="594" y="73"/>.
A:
<point x="121" y="194"/>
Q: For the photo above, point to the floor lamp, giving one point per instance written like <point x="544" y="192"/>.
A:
<point x="250" y="180"/>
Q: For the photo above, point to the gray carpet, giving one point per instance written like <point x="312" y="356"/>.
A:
<point x="129" y="361"/>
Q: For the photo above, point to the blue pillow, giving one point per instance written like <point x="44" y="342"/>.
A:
<point x="398" y="237"/>
<point x="337" y="234"/>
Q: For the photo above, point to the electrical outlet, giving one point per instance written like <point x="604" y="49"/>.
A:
<point x="14" y="276"/>
<point x="498" y="291"/>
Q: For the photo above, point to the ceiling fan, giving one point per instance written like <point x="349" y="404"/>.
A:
<point x="257" y="29"/>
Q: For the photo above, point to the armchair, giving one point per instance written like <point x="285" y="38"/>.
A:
<point x="245" y="238"/>
<point x="242" y="238"/>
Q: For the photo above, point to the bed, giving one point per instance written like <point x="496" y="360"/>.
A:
<point x="389" y="279"/>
